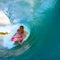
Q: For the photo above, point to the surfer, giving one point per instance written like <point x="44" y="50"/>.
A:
<point x="19" y="35"/>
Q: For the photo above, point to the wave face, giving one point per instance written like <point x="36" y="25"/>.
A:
<point x="42" y="18"/>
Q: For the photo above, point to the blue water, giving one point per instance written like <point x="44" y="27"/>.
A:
<point x="43" y="19"/>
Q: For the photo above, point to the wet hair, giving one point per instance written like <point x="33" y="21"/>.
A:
<point x="22" y="27"/>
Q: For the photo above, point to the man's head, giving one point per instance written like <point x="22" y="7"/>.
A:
<point x="21" y="28"/>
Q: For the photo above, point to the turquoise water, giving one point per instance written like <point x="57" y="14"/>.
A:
<point x="43" y="20"/>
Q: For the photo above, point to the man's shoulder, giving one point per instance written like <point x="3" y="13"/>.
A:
<point x="25" y="32"/>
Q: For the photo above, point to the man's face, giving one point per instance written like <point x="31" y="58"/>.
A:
<point x="21" y="29"/>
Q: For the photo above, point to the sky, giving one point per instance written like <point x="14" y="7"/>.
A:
<point x="4" y="20"/>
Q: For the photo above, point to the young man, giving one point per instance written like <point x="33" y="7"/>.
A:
<point x="19" y="35"/>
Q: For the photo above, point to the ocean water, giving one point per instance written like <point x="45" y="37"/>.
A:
<point x="42" y="17"/>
